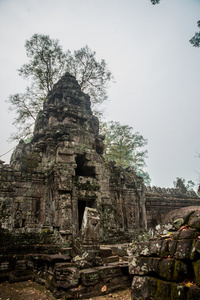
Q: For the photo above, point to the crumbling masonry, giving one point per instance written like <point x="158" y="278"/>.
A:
<point x="52" y="179"/>
<point x="61" y="171"/>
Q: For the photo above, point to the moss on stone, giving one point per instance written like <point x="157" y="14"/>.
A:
<point x="180" y="271"/>
<point x="178" y="292"/>
<point x="163" y="290"/>
<point x="29" y="162"/>
<point x="178" y="223"/>
<point x="196" y="268"/>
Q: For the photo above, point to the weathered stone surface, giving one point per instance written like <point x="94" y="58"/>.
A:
<point x="184" y="248"/>
<point x="194" y="220"/>
<point x="194" y="293"/>
<point x="183" y="213"/>
<point x="166" y="268"/>
<point x="196" y="268"/>
<point x="174" y="276"/>
<point x="90" y="277"/>
<point x="182" y="270"/>
<point x="89" y="236"/>
<point x="58" y="192"/>
<point x="141" y="288"/>
<point x="61" y="171"/>
<point x="110" y="259"/>
<point x="120" y="250"/>
<point x="105" y="251"/>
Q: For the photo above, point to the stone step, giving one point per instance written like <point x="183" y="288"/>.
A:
<point x="115" y="249"/>
<point x="119" y="249"/>
<point x="125" y="258"/>
<point x="28" y="249"/>
<point x="105" y="251"/>
<point x="101" y="288"/>
<point x="111" y="259"/>
<point x="53" y="258"/>
<point x="66" y="251"/>
<point x="94" y="275"/>
<point x="63" y="266"/>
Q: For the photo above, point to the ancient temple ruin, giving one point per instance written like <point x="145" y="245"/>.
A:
<point x="58" y="191"/>
<point x="51" y="180"/>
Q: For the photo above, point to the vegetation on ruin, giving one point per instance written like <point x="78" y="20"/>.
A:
<point x="181" y="183"/>
<point x="195" y="40"/>
<point x="125" y="147"/>
<point x="155" y="2"/>
<point x="47" y="63"/>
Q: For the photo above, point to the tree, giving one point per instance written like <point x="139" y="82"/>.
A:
<point x="92" y="76"/>
<point x="195" y="40"/>
<point x="26" y="107"/>
<point x="124" y="147"/>
<point x="155" y="2"/>
<point x="181" y="183"/>
<point x="47" y="63"/>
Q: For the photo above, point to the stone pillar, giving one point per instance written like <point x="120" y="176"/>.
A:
<point x="88" y="239"/>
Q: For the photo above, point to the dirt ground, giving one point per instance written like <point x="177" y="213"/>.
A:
<point x="32" y="291"/>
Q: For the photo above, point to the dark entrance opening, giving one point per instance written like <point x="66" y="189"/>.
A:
<point x="81" y="207"/>
<point x="82" y="168"/>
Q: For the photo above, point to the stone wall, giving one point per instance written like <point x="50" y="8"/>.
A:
<point x="21" y="200"/>
<point x="167" y="267"/>
<point x="159" y="201"/>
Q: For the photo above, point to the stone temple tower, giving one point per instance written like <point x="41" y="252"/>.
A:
<point x="61" y="171"/>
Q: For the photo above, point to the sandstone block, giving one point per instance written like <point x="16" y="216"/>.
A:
<point x="193" y="293"/>
<point x="196" y="268"/>
<point x="141" y="288"/>
<point x="105" y="251"/>
<point x="110" y="259"/>
<point x="183" y="250"/>
<point x="181" y="271"/>
<point x="166" y="268"/>
<point x="194" y="220"/>
<point x="90" y="277"/>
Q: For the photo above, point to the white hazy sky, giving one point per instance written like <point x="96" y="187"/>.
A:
<point x="156" y="69"/>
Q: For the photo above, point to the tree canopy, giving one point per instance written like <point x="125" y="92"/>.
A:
<point x="155" y="2"/>
<point x="124" y="147"/>
<point x="195" y="40"/>
<point x="47" y="63"/>
<point x="181" y="183"/>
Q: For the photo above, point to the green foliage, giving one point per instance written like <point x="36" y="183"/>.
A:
<point x="181" y="183"/>
<point x="190" y="185"/>
<point x="195" y="40"/>
<point x="124" y="147"/>
<point x="26" y="107"/>
<point x="47" y="63"/>
<point x="155" y="2"/>
<point x="92" y="76"/>
<point x="145" y="175"/>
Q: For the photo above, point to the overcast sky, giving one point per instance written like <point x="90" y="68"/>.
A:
<point x="156" y="69"/>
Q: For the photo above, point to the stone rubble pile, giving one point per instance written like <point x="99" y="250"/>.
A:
<point x="168" y="267"/>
